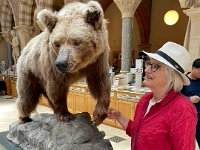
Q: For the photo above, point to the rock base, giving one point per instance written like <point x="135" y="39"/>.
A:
<point x="46" y="133"/>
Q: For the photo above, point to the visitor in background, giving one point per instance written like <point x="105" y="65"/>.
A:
<point x="164" y="118"/>
<point x="144" y="57"/>
<point x="192" y="91"/>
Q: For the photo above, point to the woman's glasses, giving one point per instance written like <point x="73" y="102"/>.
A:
<point x="154" y="67"/>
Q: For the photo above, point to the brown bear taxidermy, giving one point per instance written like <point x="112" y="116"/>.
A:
<point x="73" y="45"/>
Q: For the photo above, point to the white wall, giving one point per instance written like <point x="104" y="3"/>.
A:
<point x="160" y="32"/>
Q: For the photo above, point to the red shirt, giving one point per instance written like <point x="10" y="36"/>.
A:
<point x="169" y="125"/>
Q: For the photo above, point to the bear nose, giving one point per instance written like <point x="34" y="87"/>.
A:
<point x="61" y="65"/>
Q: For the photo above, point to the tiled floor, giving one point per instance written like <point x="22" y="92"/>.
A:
<point x="9" y="114"/>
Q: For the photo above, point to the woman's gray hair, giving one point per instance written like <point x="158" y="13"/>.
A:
<point x="174" y="78"/>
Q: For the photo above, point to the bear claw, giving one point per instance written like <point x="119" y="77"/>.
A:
<point x="24" y="120"/>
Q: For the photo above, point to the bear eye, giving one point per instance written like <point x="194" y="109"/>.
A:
<point x="76" y="43"/>
<point x="57" y="44"/>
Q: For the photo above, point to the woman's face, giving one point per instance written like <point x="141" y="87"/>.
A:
<point x="155" y="75"/>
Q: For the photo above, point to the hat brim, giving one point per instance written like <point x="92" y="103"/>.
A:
<point x="157" y="57"/>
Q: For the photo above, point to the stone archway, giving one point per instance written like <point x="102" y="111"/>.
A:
<point x="6" y="21"/>
<point x="143" y="19"/>
<point x="14" y="4"/>
<point x="39" y="5"/>
<point x="24" y="28"/>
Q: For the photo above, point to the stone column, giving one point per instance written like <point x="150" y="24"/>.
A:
<point x="192" y="39"/>
<point x="24" y="33"/>
<point x="7" y="36"/>
<point x="1" y="38"/>
<point x="127" y="8"/>
<point x="9" y="54"/>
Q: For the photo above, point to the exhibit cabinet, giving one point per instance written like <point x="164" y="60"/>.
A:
<point x="79" y="100"/>
<point x="10" y="81"/>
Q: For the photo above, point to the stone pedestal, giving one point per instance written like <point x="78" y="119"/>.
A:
<point x="44" y="132"/>
<point x="192" y="39"/>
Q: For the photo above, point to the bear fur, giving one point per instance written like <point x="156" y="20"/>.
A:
<point x="73" y="45"/>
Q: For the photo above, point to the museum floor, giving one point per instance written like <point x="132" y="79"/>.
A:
<point x="8" y="114"/>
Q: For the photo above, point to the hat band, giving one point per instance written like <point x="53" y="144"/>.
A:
<point x="171" y="61"/>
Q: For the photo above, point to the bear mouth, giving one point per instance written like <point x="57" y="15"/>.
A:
<point x="61" y="70"/>
<point x="67" y="67"/>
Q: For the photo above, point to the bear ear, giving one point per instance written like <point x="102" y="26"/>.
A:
<point x="47" y="18"/>
<point x="94" y="14"/>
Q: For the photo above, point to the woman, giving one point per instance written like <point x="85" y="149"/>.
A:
<point x="164" y="118"/>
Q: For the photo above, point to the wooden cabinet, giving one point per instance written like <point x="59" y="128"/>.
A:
<point x="70" y="101"/>
<point x="8" y="86"/>
<point x="127" y="108"/>
<point x="13" y="87"/>
<point x="79" y="103"/>
<point x="80" y="100"/>
<point x="43" y="101"/>
<point x="111" y="122"/>
<point x="90" y="102"/>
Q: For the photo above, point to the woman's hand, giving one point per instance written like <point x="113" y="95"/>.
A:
<point x="195" y="99"/>
<point x="113" y="114"/>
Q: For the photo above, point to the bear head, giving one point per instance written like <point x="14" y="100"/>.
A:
<point x="77" y="34"/>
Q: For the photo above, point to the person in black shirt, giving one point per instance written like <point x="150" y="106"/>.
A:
<point x="192" y="91"/>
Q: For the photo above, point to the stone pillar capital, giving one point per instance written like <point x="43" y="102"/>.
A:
<point x="192" y="36"/>
<point x="192" y="11"/>
<point x="127" y="7"/>
<point x="25" y="28"/>
<point x="7" y="36"/>
<point x="189" y="3"/>
<point x="25" y="33"/>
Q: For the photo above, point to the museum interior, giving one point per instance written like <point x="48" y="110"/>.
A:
<point x="133" y="27"/>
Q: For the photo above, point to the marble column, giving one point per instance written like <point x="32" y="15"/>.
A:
<point x="127" y="9"/>
<point x="24" y="33"/>
<point x="192" y="38"/>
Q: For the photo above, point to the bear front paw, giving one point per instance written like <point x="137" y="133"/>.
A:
<point x="65" y="116"/>
<point x="98" y="117"/>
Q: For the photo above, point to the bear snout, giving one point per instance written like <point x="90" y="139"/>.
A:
<point x="61" y="66"/>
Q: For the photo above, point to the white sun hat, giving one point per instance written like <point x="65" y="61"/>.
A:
<point x="174" y="56"/>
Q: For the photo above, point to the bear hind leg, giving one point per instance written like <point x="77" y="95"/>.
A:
<point x="26" y="107"/>
<point x="28" y="97"/>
